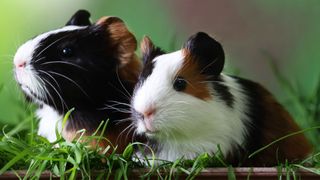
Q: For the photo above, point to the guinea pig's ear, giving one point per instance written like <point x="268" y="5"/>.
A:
<point x="207" y="51"/>
<point x="80" y="18"/>
<point x="119" y="37"/>
<point x="148" y="50"/>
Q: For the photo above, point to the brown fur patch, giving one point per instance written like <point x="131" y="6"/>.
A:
<point x="120" y="38"/>
<point x="130" y="72"/>
<point x="190" y="71"/>
<point x="111" y="137"/>
<point x="276" y="123"/>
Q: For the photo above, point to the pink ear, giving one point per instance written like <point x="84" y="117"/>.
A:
<point x="148" y="50"/>
<point x="146" y="45"/>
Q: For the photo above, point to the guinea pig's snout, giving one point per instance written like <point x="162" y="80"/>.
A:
<point x="148" y="114"/>
<point x="147" y="117"/>
<point x="20" y="64"/>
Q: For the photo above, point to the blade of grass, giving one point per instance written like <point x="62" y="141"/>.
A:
<point x="231" y="174"/>
<point x="14" y="160"/>
<point x="282" y="138"/>
<point x="21" y="126"/>
<point x="313" y="170"/>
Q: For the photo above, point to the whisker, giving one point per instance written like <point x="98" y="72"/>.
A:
<point x="50" y="77"/>
<point x="119" y="121"/>
<point x="104" y="107"/>
<point x="114" y="108"/>
<point x="203" y="69"/>
<point x="64" y="62"/>
<point x="54" y="42"/>
<point x="47" y="92"/>
<point x="121" y="133"/>
<point x="120" y="103"/>
<point x="37" y="60"/>
<point x="211" y="82"/>
<point x="40" y="88"/>
<point x="134" y="133"/>
<point x="63" y="104"/>
<point x="119" y="90"/>
<point x="117" y="72"/>
<point x="36" y="84"/>
<point x="66" y="77"/>
<point x="130" y="130"/>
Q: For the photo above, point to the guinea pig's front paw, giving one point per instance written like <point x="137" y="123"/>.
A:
<point x="50" y="122"/>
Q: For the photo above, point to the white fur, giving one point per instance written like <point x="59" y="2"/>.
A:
<point x="50" y="121"/>
<point x="34" y="86"/>
<point x="185" y="125"/>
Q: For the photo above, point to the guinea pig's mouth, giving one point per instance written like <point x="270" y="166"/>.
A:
<point x="30" y="93"/>
<point x="151" y="132"/>
<point x="143" y="128"/>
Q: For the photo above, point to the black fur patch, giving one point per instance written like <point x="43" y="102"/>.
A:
<point x="148" y="62"/>
<point x="223" y="91"/>
<point x="85" y="79"/>
<point x="255" y="112"/>
<point x="80" y="18"/>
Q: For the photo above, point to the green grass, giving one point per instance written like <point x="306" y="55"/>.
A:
<point x="71" y="159"/>
<point x="23" y="150"/>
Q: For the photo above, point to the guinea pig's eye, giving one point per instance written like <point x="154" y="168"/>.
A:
<point x="179" y="84"/>
<point x="67" y="52"/>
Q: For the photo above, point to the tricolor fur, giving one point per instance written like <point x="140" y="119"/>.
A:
<point x="186" y="107"/>
<point x="89" y="67"/>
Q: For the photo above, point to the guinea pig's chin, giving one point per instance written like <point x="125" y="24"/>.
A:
<point x="31" y="95"/>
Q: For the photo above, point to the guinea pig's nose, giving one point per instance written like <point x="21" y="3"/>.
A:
<point x="21" y="65"/>
<point x="148" y="114"/>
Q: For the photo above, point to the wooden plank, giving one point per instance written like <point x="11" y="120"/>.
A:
<point x="260" y="173"/>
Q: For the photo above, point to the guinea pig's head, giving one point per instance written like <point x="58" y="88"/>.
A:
<point x="74" y="66"/>
<point x="174" y="91"/>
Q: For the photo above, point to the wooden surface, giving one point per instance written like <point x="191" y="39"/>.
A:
<point x="209" y="173"/>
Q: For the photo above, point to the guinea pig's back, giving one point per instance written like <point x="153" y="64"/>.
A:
<point x="269" y="121"/>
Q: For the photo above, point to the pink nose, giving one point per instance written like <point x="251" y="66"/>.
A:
<point x="148" y="119"/>
<point x="149" y="113"/>
<point x="21" y="65"/>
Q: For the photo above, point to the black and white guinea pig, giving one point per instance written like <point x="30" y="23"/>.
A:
<point x="186" y="106"/>
<point x="90" y="67"/>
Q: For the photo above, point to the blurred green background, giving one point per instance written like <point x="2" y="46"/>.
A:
<point x="253" y="33"/>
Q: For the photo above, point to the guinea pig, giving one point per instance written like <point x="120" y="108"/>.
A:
<point x="90" y="67"/>
<point x="186" y="106"/>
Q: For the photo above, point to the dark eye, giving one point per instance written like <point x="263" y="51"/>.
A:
<point x="179" y="84"/>
<point x="67" y="52"/>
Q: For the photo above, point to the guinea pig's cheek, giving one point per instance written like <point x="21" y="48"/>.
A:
<point x="17" y="75"/>
<point x="20" y="76"/>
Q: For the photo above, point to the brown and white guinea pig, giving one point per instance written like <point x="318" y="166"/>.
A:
<point x="90" y="67"/>
<point x="186" y="106"/>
